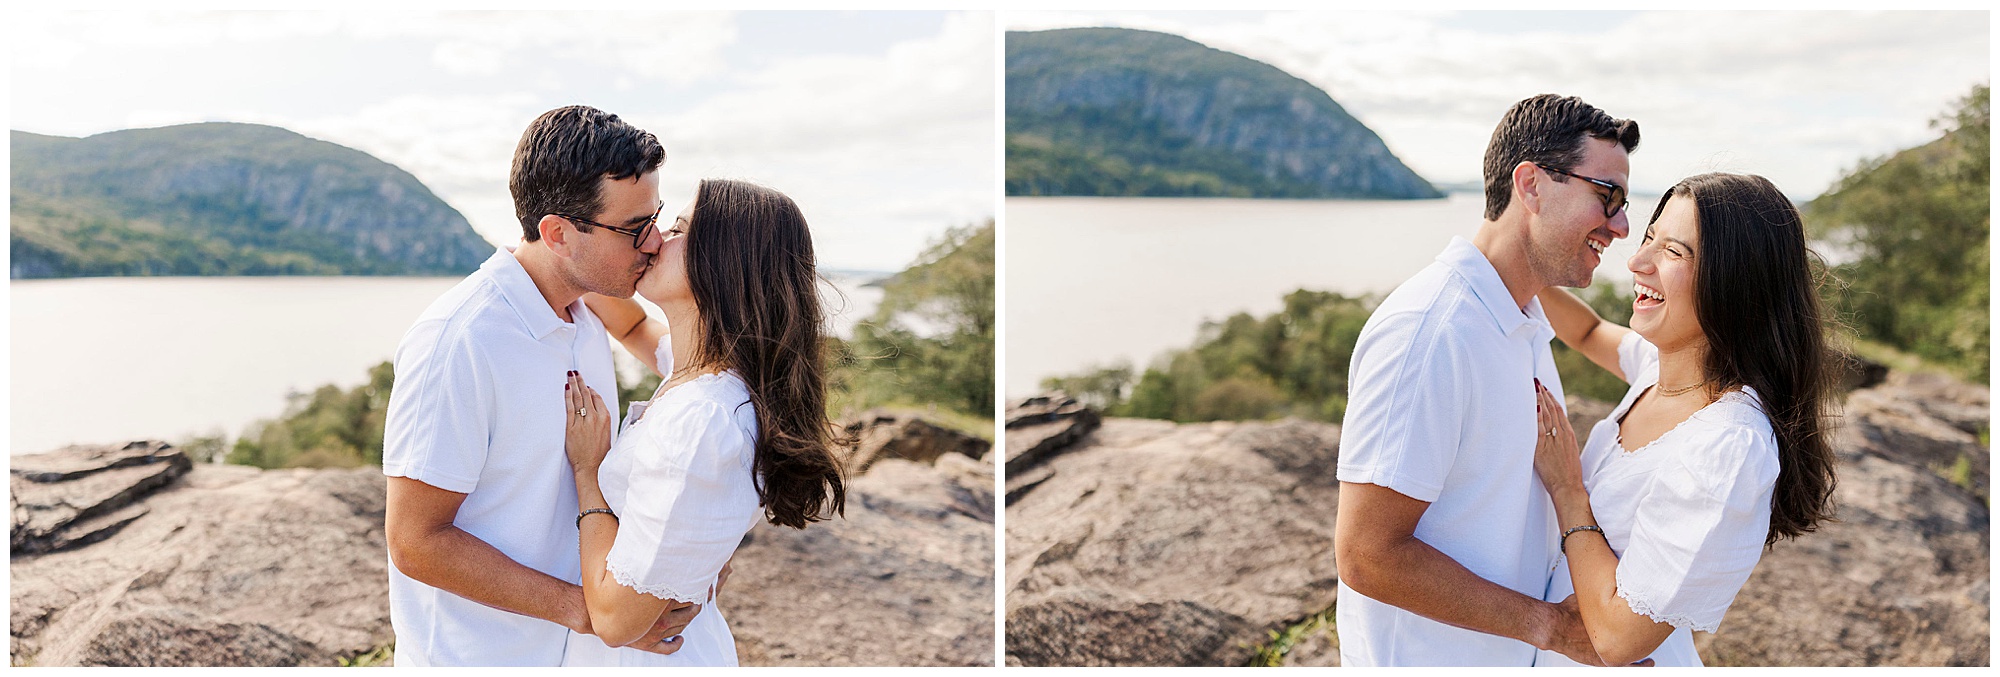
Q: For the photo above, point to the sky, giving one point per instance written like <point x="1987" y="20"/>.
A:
<point x="879" y="124"/>
<point x="1799" y="97"/>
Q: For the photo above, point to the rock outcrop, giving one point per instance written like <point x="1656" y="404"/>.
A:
<point x="905" y="578"/>
<point x="1155" y="543"/>
<point x="1038" y="427"/>
<point x="1151" y="543"/>
<point x="231" y="565"/>
<point x="80" y="495"/>
<point x="1904" y="576"/>
<point x="880" y="434"/>
<point x="220" y="565"/>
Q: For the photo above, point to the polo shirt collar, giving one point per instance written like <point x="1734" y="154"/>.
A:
<point x="521" y="293"/>
<point x="1470" y="263"/>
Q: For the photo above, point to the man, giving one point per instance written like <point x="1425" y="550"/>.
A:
<point x="480" y="526"/>
<point x="1445" y="538"/>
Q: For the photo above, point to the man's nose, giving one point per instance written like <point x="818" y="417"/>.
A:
<point x="1621" y="225"/>
<point x="651" y="245"/>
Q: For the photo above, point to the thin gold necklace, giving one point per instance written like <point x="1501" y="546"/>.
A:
<point x="1670" y="392"/>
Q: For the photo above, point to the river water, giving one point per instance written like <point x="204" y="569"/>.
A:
<point x="1094" y="281"/>
<point x="104" y="360"/>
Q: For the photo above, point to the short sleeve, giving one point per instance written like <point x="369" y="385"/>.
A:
<point x="1405" y="408"/>
<point x="1700" y="529"/>
<point x="438" y="425"/>
<point x="688" y="502"/>
<point x="1636" y="355"/>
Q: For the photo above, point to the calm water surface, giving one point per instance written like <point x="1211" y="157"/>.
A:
<point x="1094" y="281"/>
<point x="102" y="360"/>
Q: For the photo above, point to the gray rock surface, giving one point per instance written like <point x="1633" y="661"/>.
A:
<point x="231" y="565"/>
<point x="1153" y="543"/>
<point x="226" y="565"/>
<point x="1904" y="578"/>
<point x="905" y="578"/>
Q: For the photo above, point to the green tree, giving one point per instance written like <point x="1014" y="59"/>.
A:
<point x="931" y="339"/>
<point x="329" y="428"/>
<point x="1100" y="387"/>
<point x="1289" y="363"/>
<point x="1917" y="225"/>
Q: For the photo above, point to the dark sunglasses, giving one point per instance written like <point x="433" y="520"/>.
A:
<point x="638" y="234"/>
<point x="1614" y="201"/>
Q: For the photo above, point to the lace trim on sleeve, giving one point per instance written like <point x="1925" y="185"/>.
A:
<point x="661" y="591"/>
<point x="1644" y="607"/>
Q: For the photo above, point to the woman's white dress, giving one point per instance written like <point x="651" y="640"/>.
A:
<point x="1687" y="514"/>
<point x="679" y="478"/>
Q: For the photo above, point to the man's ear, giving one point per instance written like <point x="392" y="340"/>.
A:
<point x="1528" y="187"/>
<point x="555" y="234"/>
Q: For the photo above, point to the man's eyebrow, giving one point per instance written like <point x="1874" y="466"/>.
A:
<point x="641" y="220"/>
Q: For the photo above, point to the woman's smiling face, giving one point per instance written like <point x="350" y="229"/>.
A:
<point x="1663" y="274"/>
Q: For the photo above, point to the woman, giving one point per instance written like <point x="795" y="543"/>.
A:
<point x="739" y="422"/>
<point x="1719" y="448"/>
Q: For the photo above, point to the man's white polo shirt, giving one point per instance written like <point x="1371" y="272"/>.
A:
<point x="1441" y="408"/>
<point x="478" y="409"/>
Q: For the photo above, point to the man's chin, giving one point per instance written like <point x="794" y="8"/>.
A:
<point x="1580" y="276"/>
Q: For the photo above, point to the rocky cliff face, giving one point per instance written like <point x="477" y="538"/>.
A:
<point x="258" y="197"/>
<point x="218" y="565"/>
<point x="1153" y="98"/>
<point x="1150" y="543"/>
<point x="134" y="556"/>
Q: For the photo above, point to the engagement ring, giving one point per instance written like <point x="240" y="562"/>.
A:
<point x="579" y="414"/>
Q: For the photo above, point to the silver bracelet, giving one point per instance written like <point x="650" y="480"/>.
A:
<point x="1564" y="546"/>
<point x="579" y="516"/>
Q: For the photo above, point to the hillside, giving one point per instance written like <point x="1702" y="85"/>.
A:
<point x="224" y="199"/>
<point x="1109" y="111"/>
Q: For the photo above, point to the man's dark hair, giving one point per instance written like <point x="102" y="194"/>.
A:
<point x="564" y="154"/>
<point x="1549" y="130"/>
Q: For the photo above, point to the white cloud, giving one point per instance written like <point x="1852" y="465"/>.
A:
<point x="881" y="150"/>
<point x="884" y="141"/>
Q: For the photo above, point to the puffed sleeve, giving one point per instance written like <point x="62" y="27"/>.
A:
<point x="1636" y="355"/>
<point x="1404" y="413"/>
<point x="1700" y="528"/>
<point x="689" y="502"/>
<point x="439" y="421"/>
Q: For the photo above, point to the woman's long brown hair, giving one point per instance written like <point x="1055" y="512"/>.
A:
<point x="1754" y="295"/>
<point x="751" y="269"/>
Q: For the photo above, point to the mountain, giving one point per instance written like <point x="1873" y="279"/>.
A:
<point x="1112" y="111"/>
<point x="224" y="199"/>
